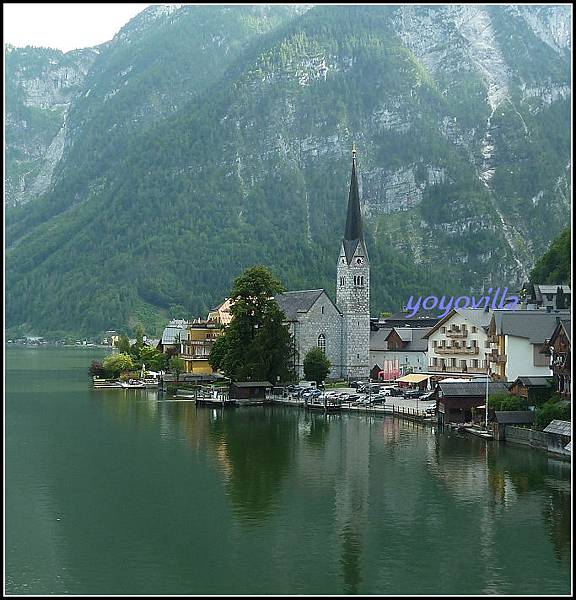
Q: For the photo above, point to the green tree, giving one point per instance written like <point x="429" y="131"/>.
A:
<point x="114" y="364"/>
<point x="257" y="344"/>
<point x="152" y="358"/>
<point x="139" y="331"/>
<point x="316" y="365"/>
<point x="503" y="401"/>
<point x="123" y="344"/>
<point x="555" y="408"/>
<point x="177" y="366"/>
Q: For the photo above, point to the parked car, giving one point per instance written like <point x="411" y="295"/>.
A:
<point x="428" y="396"/>
<point x="356" y="384"/>
<point x="394" y="391"/>
<point x="412" y="394"/>
<point x="378" y="399"/>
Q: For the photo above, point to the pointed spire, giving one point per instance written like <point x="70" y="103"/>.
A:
<point x="353" y="232"/>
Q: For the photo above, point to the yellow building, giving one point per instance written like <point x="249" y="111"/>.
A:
<point x="195" y="349"/>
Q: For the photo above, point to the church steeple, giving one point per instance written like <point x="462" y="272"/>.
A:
<point x="353" y="232"/>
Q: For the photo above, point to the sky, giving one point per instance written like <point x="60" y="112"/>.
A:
<point x="65" y="26"/>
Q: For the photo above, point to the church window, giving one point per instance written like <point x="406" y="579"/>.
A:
<point x="322" y="310"/>
<point x="322" y="342"/>
<point x="342" y="281"/>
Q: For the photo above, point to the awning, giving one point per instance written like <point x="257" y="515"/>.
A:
<point x="413" y="378"/>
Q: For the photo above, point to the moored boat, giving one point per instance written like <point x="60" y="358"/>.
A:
<point x="105" y="383"/>
<point x="133" y="384"/>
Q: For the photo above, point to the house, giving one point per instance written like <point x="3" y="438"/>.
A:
<point x="172" y="335"/>
<point x="534" y="389"/>
<point x="458" y="343"/>
<point x="398" y="351"/>
<point x="553" y="296"/>
<point x="463" y="402"/>
<point x="221" y="314"/>
<point x="559" y="434"/>
<point x="517" y="340"/>
<point x="243" y="390"/>
<point x="558" y="349"/>
<point x="196" y="345"/>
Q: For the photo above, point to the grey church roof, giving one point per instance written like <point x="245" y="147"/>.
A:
<point x="293" y="302"/>
<point x="353" y="232"/>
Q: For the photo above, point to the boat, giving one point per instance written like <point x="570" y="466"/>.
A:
<point x="105" y="383"/>
<point x="133" y="384"/>
<point x="328" y="407"/>
<point x="149" y="378"/>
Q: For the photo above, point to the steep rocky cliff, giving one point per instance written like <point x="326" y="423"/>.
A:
<point x="204" y="139"/>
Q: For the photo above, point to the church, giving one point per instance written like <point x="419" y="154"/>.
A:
<point x="342" y="330"/>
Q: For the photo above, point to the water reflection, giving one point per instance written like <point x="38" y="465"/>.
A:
<point x="256" y="448"/>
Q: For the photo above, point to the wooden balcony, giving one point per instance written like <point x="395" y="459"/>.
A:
<point x="456" y="334"/>
<point x="456" y="350"/>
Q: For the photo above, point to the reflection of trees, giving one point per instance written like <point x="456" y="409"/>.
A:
<point x="133" y="407"/>
<point x="558" y="522"/>
<point x="259" y="449"/>
<point x="350" y="559"/>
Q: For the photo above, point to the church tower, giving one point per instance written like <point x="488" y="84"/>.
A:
<point x="353" y="289"/>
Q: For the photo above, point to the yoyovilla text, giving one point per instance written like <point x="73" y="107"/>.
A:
<point x="486" y="302"/>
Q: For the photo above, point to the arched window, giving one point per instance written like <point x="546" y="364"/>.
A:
<point x="342" y="281"/>
<point x="322" y="342"/>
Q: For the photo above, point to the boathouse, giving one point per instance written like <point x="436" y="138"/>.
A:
<point x="243" y="390"/>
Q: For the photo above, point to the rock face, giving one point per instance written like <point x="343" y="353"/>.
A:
<point x="216" y="123"/>
<point x="41" y="84"/>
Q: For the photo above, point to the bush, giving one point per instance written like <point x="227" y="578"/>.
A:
<point x="96" y="369"/>
<point x="555" y="408"/>
<point x="505" y="401"/>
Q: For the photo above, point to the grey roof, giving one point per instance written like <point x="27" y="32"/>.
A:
<point x="549" y="289"/>
<point x="535" y="381"/>
<point x="476" y="316"/>
<point x="415" y="338"/>
<point x="471" y="388"/>
<point x="293" y="302"/>
<point x="535" y="325"/>
<point x="515" y="417"/>
<point x="249" y="384"/>
<point x="175" y="328"/>
<point x="422" y="314"/>
<point x="353" y="232"/>
<point x="559" y="427"/>
<point x="378" y="339"/>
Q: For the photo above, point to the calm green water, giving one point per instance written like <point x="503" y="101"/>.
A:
<point x="111" y="492"/>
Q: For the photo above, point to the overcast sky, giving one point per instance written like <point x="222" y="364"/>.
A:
<point x="65" y="26"/>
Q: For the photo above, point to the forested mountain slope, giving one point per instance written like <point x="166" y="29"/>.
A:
<point x="195" y="151"/>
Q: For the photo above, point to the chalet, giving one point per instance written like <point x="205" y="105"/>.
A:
<point x="558" y="350"/>
<point x="458" y="343"/>
<point x="398" y="351"/>
<point x="534" y="389"/>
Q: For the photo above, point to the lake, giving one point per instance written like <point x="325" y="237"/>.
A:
<point x="116" y="492"/>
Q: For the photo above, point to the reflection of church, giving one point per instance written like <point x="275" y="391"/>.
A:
<point x="342" y="330"/>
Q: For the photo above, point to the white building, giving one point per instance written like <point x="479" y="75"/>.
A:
<point x="458" y="343"/>
<point x="517" y="340"/>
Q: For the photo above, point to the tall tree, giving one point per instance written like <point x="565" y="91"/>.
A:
<point x="316" y="365"/>
<point x="257" y="344"/>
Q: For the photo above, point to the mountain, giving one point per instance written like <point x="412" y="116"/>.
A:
<point x="555" y="266"/>
<point x="203" y="140"/>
